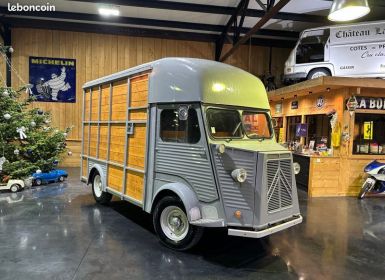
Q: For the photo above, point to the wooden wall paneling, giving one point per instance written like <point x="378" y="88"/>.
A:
<point x="324" y="176"/>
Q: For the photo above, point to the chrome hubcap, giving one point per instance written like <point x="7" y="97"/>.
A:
<point x="174" y="223"/>
<point x="98" y="187"/>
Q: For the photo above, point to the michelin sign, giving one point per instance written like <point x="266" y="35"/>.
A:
<point x="53" y="79"/>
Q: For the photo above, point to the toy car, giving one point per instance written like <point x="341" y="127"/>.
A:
<point x="55" y="175"/>
<point x="15" y="185"/>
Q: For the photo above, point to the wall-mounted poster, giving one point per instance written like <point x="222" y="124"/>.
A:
<point x="301" y="130"/>
<point x="53" y="79"/>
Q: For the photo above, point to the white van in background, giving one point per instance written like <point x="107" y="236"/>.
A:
<point x="355" y="50"/>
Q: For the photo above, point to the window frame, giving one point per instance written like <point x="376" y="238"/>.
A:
<point x="162" y="107"/>
<point x="226" y="109"/>
<point x="268" y="120"/>
<point x="353" y="142"/>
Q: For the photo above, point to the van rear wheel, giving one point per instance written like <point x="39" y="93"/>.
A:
<point x="100" y="196"/>
<point x="172" y="226"/>
<point x="318" y="72"/>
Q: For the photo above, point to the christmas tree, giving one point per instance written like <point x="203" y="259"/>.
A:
<point x="28" y="143"/>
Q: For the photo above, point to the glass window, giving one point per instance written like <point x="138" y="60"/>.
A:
<point x="311" y="47"/>
<point x="369" y="134"/>
<point x="256" y="125"/>
<point x="224" y="123"/>
<point x="291" y="128"/>
<point x="319" y="131"/>
<point x="175" y="127"/>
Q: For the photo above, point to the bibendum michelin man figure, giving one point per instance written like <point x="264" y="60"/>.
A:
<point x="57" y="83"/>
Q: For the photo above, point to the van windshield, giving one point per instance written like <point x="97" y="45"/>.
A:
<point x="256" y="125"/>
<point x="228" y="124"/>
<point x="224" y="123"/>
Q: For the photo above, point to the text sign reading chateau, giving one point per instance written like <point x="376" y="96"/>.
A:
<point x="348" y="34"/>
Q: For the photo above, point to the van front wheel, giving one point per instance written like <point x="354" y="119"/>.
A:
<point x="100" y="196"/>
<point x="318" y="72"/>
<point x="172" y="226"/>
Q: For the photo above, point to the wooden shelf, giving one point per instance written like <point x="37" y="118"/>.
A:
<point x="324" y="84"/>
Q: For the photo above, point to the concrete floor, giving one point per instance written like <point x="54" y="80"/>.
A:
<point x="58" y="232"/>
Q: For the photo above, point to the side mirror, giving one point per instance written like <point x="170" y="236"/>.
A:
<point x="274" y="123"/>
<point x="183" y="113"/>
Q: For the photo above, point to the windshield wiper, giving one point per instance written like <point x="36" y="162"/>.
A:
<point x="236" y="129"/>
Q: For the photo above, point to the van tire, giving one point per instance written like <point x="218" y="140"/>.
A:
<point x="100" y="196"/>
<point x="190" y="234"/>
<point x="318" y="72"/>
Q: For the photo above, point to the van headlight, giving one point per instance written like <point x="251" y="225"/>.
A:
<point x="296" y="167"/>
<point x="239" y="175"/>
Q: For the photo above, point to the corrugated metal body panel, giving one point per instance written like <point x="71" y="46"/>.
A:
<point x="190" y="163"/>
<point x="237" y="196"/>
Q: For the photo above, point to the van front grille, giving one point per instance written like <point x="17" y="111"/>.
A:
<point x="279" y="184"/>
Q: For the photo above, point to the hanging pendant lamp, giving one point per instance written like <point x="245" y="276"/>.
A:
<point x="346" y="10"/>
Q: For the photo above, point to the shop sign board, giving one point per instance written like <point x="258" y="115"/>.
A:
<point x="368" y="130"/>
<point x="371" y="103"/>
<point x="352" y="104"/>
<point x="294" y="104"/>
<point x="281" y="134"/>
<point x="301" y="130"/>
<point x="53" y="79"/>
<point x="320" y="102"/>
<point x="278" y="108"/>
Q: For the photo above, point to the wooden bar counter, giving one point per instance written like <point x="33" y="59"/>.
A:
<point x="361" y="129"/>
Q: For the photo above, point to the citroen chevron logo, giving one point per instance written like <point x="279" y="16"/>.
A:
<point x="280" y="186"/>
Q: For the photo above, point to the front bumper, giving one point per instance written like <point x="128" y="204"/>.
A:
<point x="265" y="232"/>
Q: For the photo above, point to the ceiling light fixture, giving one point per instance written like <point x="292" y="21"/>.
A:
<point x="109" y="11"/>
<point x="346" y="10"/>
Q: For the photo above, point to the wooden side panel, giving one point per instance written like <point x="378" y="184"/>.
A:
<point x="134" y="185"/>
<point x="84" y="168"/>
<point x="93" y="140"/>
<point x="139" y="91"/>
<point x="95" y="104"/>
<point x="85" y="139"/>
<point x="115" y="177"/>
<point x="136" y="147"/>
<point x="119" y="100"/>
<point x="103" y="139"/>
<point x="105" y="103"/>
<point x="118" y="134"/>
<point x="137" y="142"/>
<point x="87" y="108"/>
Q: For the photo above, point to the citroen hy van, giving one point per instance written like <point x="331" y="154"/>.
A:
<point x="191" y="142"/>
<point x="350" y="50"/>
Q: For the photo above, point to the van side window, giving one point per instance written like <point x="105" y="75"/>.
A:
<point x="311" y="47"/>
<point x="174" y="128"/>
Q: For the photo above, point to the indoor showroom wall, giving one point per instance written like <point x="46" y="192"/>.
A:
<point x="98" y="55"/>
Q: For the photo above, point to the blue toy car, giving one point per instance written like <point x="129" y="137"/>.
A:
<point x="55" y="175"/>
